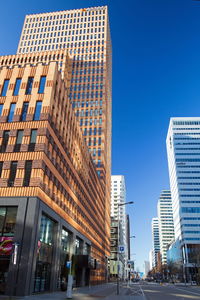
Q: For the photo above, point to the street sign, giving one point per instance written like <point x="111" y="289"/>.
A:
<point x="68" y="264"/>
<point x="121" y="249"/>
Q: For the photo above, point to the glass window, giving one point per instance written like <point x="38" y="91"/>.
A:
<point x="5" y="87"/>
<point x="1" y="167"/>
<point x="37" y="111"/>
<point x="1" y="108"/>
<point x="78" y="246"/>
<point x="42" y="84"/>
<point x="31" y="146"/>
<point x="27" y="173"/>
<point x="44" y="255"/>
<point x="4" y="144"/>
<point x="7" y="220"/>
<point x="17" y="87"/>
<point x="11" y="112"/>
<point x="24" y="111"/>
<point x="18" y="140"/>
<point x="29" y="85"/>
<point x="13" y="171"/>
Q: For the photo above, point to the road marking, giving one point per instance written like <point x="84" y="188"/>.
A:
<point x="142" y="291"/>
<point x="198" y="294"/>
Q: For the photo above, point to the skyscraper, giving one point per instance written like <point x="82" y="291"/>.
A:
<point x="118" y="212"/>
<point x="118" y="196"/>
<point x="155" y="240"/>
<point x="85" y="35"/>
<point x="183" y="149"/>
<point x="166" y="223"/>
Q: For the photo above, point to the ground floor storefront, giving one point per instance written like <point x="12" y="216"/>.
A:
<point x="38" y="249"/>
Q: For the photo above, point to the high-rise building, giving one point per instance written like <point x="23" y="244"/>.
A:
<point x="166" y="223"/>
<point x="85" y="36"/>
<point x="155" y="240"/>
<point x="52" y="202"/>
<point x="151" y="259"/>
<point x="183" y="149"/>
<point x="146" y="267"/>
<point x="118" y="210"/>
<point x="118" y="196"/>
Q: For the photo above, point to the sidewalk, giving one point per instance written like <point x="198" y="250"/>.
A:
<point x="105" y="291"/>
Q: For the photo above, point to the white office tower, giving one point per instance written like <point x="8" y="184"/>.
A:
<point x="183" y="149"/>
<point x="146" y="268"/>
<point x="118" y="197"/>
<point x="166" y="223"/>
<point x="151" y="259"/>
<point x="155" y="240"/>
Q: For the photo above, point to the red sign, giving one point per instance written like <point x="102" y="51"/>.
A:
<point x="6" y="245"/>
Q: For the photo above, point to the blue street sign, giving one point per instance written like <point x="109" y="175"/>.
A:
<point x="68" y="264"/>
<point x="121" y="249"/>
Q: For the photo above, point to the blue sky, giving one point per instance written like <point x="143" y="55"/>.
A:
<point x="156" y="75"/>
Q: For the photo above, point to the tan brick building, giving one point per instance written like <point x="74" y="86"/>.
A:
<point x="85" y="34"/>
<point x="52" y="203"/>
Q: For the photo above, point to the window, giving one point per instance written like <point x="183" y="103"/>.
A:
<point x="1" y="167"/>
<point x="1" y="108"/>
<point x="13" y="171"/>
<point x="11" y="112"/>
<point x="7" y="221"/>
<point x="27" y="174"/>
<point x="5" y="140"/>
<point x="37" y="111"/>
<point x="31" y="146"/>
<point x="29" y="85"/>
<point x="18" y="140"/>
<point x="5" y="87"/>
<point x="42" y="84"/>
<point x="24" y="111"/>
<point x="17" y="87"/>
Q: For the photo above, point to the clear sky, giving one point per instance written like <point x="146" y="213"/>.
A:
<point x="156" y="75"/>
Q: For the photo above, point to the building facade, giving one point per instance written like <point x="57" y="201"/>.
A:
<point x="52" y="202"/>
<point x="155" y="240"/>
<point x="85" y="35"/>
<point x="183" y="141"/>
<point x="166" y="223"/>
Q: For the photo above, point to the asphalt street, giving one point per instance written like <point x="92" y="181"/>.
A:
<point x="137" y="291"/>
<point x="165" y="292"/>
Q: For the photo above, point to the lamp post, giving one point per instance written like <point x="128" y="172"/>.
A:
<point x="129" y="271"/>
<point x="118" y="237"/>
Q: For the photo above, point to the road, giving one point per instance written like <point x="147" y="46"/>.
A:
<point x="134" y="291"/>
<point x="149" y="291"/>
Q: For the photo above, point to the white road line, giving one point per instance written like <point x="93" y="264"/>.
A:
<point x="198" y="294"/>
<point x="142" y="291"/>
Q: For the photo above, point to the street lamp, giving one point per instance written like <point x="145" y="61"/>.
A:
<point x="129" y="268"/>
<point x="119" y="204"/>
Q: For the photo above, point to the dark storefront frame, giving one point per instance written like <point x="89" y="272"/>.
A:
<point x="30" y="210"/>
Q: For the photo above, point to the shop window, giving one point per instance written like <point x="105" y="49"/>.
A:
<point x="78" y="246"/>
<point x="7" y="228"/>
<point x="44" y="255"/>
